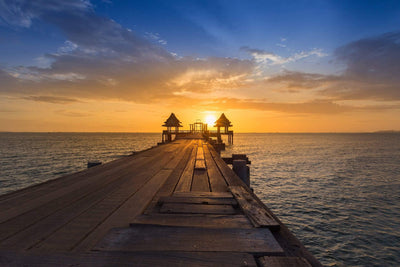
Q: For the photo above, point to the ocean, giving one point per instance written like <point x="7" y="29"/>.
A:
<point x="338" y="193"/>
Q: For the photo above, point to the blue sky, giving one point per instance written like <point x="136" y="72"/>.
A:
<point x="275" y="58"/>
<point x="218" y="28"/>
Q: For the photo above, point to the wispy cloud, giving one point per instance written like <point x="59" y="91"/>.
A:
<point x="318" y="106"/>
<point x="269" y="58"/>
<point x="52" y="99"/>
<point x="72" y="113"/>
<point x="155" y="37"/>
<point x="21" y="13"/>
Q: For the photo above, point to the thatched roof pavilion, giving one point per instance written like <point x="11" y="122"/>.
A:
<point x="172" y="121"/>
<point x="223" y="121"/>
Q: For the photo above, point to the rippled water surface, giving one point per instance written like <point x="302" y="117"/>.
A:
<point x="339" y="193"/>
<point x="29" y="158"/>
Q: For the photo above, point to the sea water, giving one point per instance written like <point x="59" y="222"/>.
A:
<point x="338" y="193"/>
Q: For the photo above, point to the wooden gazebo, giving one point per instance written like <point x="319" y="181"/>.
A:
<point x="170" y="123"/>
<point x="225" y="123"/>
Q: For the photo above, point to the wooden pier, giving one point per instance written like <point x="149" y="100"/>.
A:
<point x="177" y="204"/>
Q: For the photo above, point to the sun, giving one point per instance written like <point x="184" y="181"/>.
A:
<point x="210" y="119"/>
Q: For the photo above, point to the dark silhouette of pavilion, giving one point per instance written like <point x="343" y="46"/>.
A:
<point x="171" y="122"/>
<point x="225" y="123"/>
<point x="197" y="128"/>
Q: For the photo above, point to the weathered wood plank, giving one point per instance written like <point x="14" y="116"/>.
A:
<point x="217" y="181"/>
<point x="197" y="208"/>
<point x="200" y="181"/>
<point x="195" y="220"/>
<point x="170" y="238"/>
<point x="72" y="233"/>
<point x="200" y="164"/>
<point x="42" y="229"/>
<point x="61" y="194"/>
<point x="37" y="212"/>
<point x="38" y="191"/>
<point x="276" y="261"/>
<point x="198" y="200"/>
<point x="256" y="213"/>
<point x="115" y="258"/>
<point x="230" y="177"/>
<point x="134" y="205"/>
<point x="168" y="187"/>
<point x="200" y="153"/>
<point x="204" y="194"/>
<point x="185" y="182"/>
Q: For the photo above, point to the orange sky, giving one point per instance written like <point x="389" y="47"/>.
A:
<point x="119" y="116"/>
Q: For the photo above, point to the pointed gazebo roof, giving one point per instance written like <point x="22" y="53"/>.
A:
<point x="172" y="121"/>
<point x="223" y="121"/>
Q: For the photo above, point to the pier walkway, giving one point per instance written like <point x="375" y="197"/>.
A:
<point x="177" y="204"/>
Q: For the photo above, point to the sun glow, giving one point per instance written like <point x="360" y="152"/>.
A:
<point x="210" y="119"/>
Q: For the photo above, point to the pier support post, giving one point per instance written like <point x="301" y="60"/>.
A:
<point x="242" y="170"/>
<point x="93" y="163"/>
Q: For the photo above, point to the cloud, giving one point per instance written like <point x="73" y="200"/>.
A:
<point x="372" y="69"/>
<point x="155" y="37"/>
<point x="297" y="81"/>
<point x="310" y="107"/>
<point x="101" y="60"/>
<point x="21" y="13"/>
<point x="269" y="58"/>
<point x="72" y="113"/>
<point x="51" y="99"/>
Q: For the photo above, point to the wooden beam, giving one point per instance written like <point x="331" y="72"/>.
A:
<point x="204" y="194"/>
<point x="256" y="213"/>
<point x="200" y="181"/>
<point x="217" y="181"/>
<point x="197" y="208"/>
<point x="135" y="259"/>
<point x="195" y="220"/>
<point x="171" y="238"/>
<point x="185" y="182"/>
<point x="198" y="200"/>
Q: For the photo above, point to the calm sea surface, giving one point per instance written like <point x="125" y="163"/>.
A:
<point x="338" y="193"/>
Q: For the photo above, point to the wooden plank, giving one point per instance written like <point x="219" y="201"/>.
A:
<point x="168" y="187"/>
<point x="256" y="213"/>
<point x="134" y="206"/>
<point x="42" y="229"/>
<point x="171" y="238"/>
<point x="200" y="181"/>
<point x="200" y="164"/>
<point x="200" y="153"/>
<point x="276" y="261"/>
<point x="185" y="182"/>
<point x="197" y="208"/>
<point x="28" y="218"/>
<point x="115" y="258"/>
<point x="72" y="233"/>
<point x="217" y="181"/>
<point x="195" y="220"/>
<point x="58" y="196"/>
<point x="204" y="194"/>
<point x="230" y="177"/>
<point x="35" y="192"/>
<point x="198" y="200"/>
